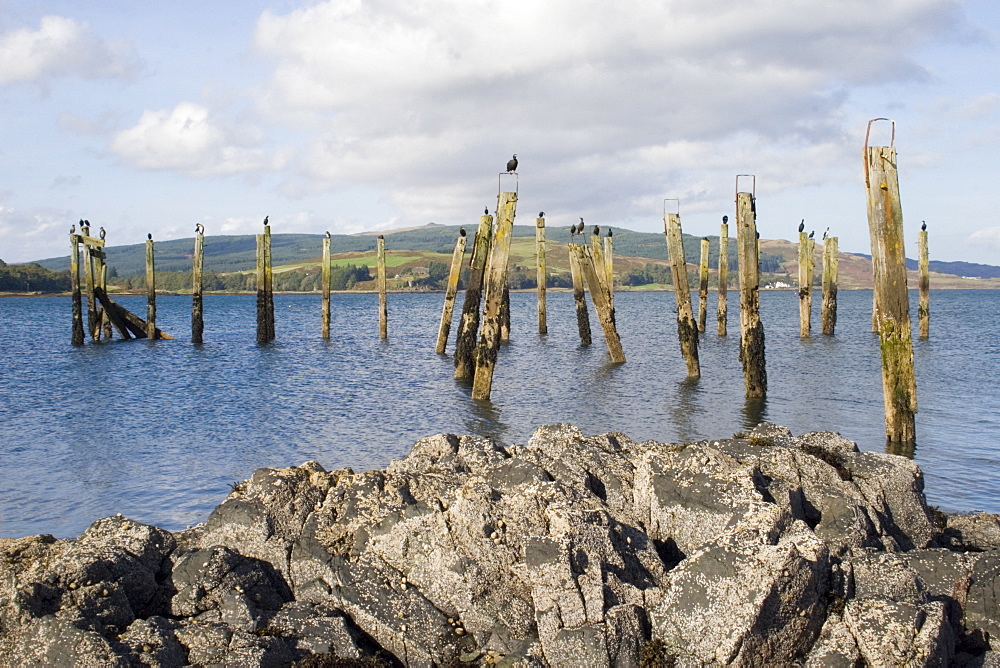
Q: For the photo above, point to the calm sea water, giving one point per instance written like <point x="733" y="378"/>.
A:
<point x="158" y="430"/>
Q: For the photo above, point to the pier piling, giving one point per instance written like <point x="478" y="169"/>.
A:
<point x="703" y="286"/>
<point x="805" y="282"/>
<point x="751" y="328"/>
<point x="197" y="285"/>
<point x="450" y="291"/>
<point x="265" y="287"/>
<point x="468" y="325"/>
<point x="325" y="289"/>
<point x="723" y="315"/>
<point x="687" y="328"/>
<point x="831" y="262"/>
<point x="609" y="267"/>
<point x="543" y="327"/>
<point x="383" y="308"/>
<point x="77" y="299"/>
<point x="579" y="297"/>
<point x="599" y="297"/>
<point x="924" y="304"/>
<point x="150" y="290"/>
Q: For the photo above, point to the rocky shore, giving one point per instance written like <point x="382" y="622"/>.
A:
<point x="569" y="550"/>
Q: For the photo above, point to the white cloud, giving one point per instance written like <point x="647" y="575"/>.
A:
<point x="61" y="47"/>
<point x="190" y="139"/>
<point x="988" y="237"/>
<point x="34" y="232"/>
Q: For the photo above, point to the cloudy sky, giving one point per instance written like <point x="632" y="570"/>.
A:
<point x="356" y="115"/>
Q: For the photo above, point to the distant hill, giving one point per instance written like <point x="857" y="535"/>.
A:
<point x="964" y="269"/>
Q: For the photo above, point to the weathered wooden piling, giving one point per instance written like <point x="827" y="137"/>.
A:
<point x="579" y="297"/>
<point x="923" y="263"/>
<point x="450" y="291"/>
<point x="77" y="299"/>
<point x="805" y="282"/>
<point x="751" y="328"/>
<point x="609" y="268"/>
<point x="150" y="290"/>
<point x="687" y="328"/>
<point x="383" y="308"/>
<point x="468" y="326"/>
<point x="101" y="273"/>
<point x="265" y="287"/>
<point x="325" y="288"/>
<point x="599" y="297"/>
<point x="703" y="286"/>
<point x="495" y="280"/>
<point x="197" y="285"/>
<point x="885" y="223"/>
<point x="505" y="315"/>
<point x="723" y="315"/>
<point x="600" y="266"/>
<point x="268" y="283"/>
<point x="542" y="279"/>
<point x="831" y="262"/>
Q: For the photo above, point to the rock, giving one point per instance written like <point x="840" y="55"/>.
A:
<point x="761" y="549"/>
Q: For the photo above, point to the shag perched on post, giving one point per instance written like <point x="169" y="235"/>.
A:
<point x="265" y="219"/>
<point x="150" y="236"/>
<point x="102" y="232"/>
<point x="802" y="226"/>
<point x="923" y="227"/>
<point x="541" y="214"/>
<point x="725" y="219"/>
<point x="812" y="234"/>
<point x="72" y="229"/>
<point x="579" y="228"/>
<point x="597" y="231"/>
<point x="512" y="164"/>
<point x="609" y="232"/>
<point x="826" y="233"/>
<point x="461" y="231"/>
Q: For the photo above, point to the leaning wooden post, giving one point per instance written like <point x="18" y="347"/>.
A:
<point x="923" y="262"/>
<point x="831" y="262"/>
<point x="325" y="279"/>
<point x="751" y="328"/>
<point x="74" y="278"/>
<point x="599" y="296"/>
<point x="505" y="315"/>
<point x="150" y="291"/>
<point x="885" y="223"/>
<point x="805" y="282"/>
<point x="723" y="316"/>
<point x="495" y="279"/>
<point x="579" y="297"/>
<point x="687" y="329"/>
<point x="609" y="268"/>
<point x="268" y="282"/>
<point x="101" y="279"/>
<point x="543" y="327"/>
<point x="452" y="289"/>
<point x="261" y="293"/>
<point x="197" y="285"/>
<point x="703" y="286"/>
<point x="600" y="266"/>
<point x="468" y="326"/>
<point x="383" y="308"/>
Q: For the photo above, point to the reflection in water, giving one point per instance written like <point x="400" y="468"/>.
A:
<point x="484" y="420"/>
<point x="901" y="448"/>
<point x="685" y="409"/>
<point x="754" y="411"/>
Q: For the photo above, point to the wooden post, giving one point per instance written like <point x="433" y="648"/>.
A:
<point x="505" y="315"/>
<point x="452" y="289"/>
<point x="723" y="316"/>
<point x="543" y="327"/>
<point x="805" y="284"/>
<point x="831" y="260"/>
<point x="703" y="286"/>
<point x="197" y="285"/>
<point x="495" y="279"/>
<point x="609" y="268"/>
<point x="599" y="296"/>
<point x="261" y="295"/>
<point x="88" y="276"/>
<point x="102" y="283"/>
<point x="579" y="297"/>
<point x="687" y="329"/>
<point x="468" y="327"/>
<point x="150" y="291"/>
<point x="74" y="278"/>
<point x="383" y="308"/>
<point x="751" y="328"/>
<point x="885" y="223"/>
<point x="924" y="305"/>
<point x="268" y="283"/>
<point x="600" y="265"/>
<point x="325" y="279"/>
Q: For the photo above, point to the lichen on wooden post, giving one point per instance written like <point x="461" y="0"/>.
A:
<point x="885" y="223"/>
<point x="541" y="277"/>
<point x="703" y="286"/>
<point x="268" y="284"/>
<point x="261" y="299"/>
<point x="579" y="297"/>
<point x="723" y="275"/>
<point x="150" y="291"/>
<point x="600" y="266"/>
<point x="77" y="299"/>
<point x="831" y="262"/>
<point x="599" y="296"/>
<point x="450" y="291"/>
<point x="687" y="328"/>
<point x="468" y="326"/>
<point x="325" y="279"/>
<point x="495" y="280"/>
<point x="383" y="308"/>
<point x="609" y="268"/>
<point x="505" y="315"/>
<point x="88" y="277"/>
<point x="924" y="304"/>
<point x="805" y="284"/>
<point x="751" y="327"/>
<point x="197" y="316"/>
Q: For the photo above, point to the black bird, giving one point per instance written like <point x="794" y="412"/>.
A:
<point x="597" y="231"/>
<point x="199" y="228"/>
<point x="102" y="232"/>
<point x="923" y="227"/>
<point x="512" y="164"/>
<point x="802" y="225"/>
<point x="826" y="233"/>
<point x="572" y="231"/>
<point x="86" y="224"/>
<point x="461" y="231"/>
<point x="486" y="211"/>
<point x="758" y="235"/>
<point x="725" y="219"/>
<point x="812" y="234"/>
<point x="704" y="238"/>
<point x="541" y="214"/>
<point x="328" y="234"/>
<point x="579" y="228"/>
<point x="150" y="236"/>
<point x="609" y="232"/>
<point x="265" y="219"/>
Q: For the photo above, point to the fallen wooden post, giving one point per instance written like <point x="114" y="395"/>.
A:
<point x="751" y="328"/>
<point x="77" y="299"/>
<point x="150" y="290"/>
<point x="125" y="320"/>
<point x="703" y="286"/>
<point x="831" y="261"/>
<point x="383" y="307"/>
<point x="609" y="267"/>
<point x="923" y="263"/>
<point x="543" y="327"/>
<point x="197" y="285"/>
<point x="687" y="329"/>
<point x="579" y="296"/>
<point x="885" y="223"/>
<point x="723" y="315"/>
<point x="599" y="297"/>
<point x="450" y="291"/>
<point x="495" y="280"/>
<point x="805" y="282"/>
<point x="468" y="326"/>
<point x="325" y="279"/>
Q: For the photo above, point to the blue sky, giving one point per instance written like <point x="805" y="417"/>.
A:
<point x="356" y="115"/>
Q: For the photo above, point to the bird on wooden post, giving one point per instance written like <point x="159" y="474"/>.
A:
<point x="579" y="228"/>
<point x="512" y="164"/>
<point x="72" y="229"/>
<point x="102" y="232"/>
<point x="826" y="233"/>
<point x="725" y="220"/>
<point x="461" y="231"/>
<point x="486" y="210"/>
<point x="541" y="214"/>
<point x="923" y="227"/>
<point x="265" y="219"/>
<point x="150" y="236"/>
<point x="812" y="234"/>
<point x="597" y="230"/>
<point x="609" y="232"/>
<point x="802" y="225"/>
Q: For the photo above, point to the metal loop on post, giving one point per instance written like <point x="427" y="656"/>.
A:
<point x="753" y="188"/>
<point x="892" y="139"/>
<point x="671" y="199"/>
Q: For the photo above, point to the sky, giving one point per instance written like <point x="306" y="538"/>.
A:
<point x="363" y="115"/>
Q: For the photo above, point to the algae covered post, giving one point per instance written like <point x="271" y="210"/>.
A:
<point x="150" y="290"/>
<point x="197" y="318"/>
<point x="468" y="325"/>
<point x="805" y="281"/>
<point x="751" y="328"/>
<point x="325" y="278"/>
<point x="703" y="286"/>
<point x="74" y="277"/>
<point x="923" y="263"/>
<point x="452" y="289"/>
<point x="723" y="274"/>
<point x="831" y="262"/>
<point x="543" y="327"/>
<point x="885" y="224"/>
<point x="383" y="309"/>
<point x="599" y="296"/>
<point x="265" y="295"/>
<point x="579" y="296"/>
<point x="609" y="267"/>
<point x="687" y="329"/>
